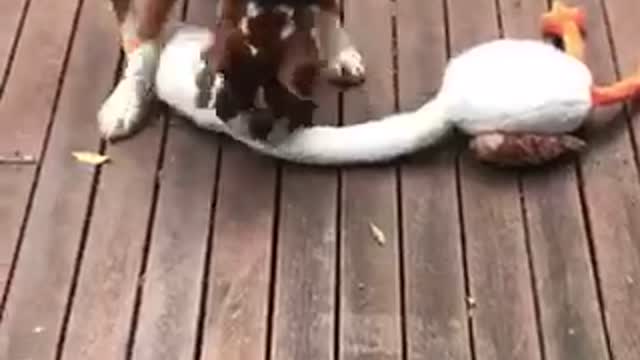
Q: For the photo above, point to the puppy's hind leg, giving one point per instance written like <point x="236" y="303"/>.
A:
<point x="141" y="22"/>
<point x="344" y="62"/>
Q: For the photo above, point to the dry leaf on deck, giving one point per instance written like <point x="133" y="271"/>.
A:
<point x="378" y="235"/>
<point x="90" y="157"/>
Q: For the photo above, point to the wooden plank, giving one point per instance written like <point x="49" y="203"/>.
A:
<point x="36" y="304"/>
<point x="39" y="41"/>
<point x="117" y="244"/>
<point x="11" y="13"/>
<point x="436" y="316"/>
<point x="304" y="299"/>
<point x="236" y="313"/>
<point x="236" y="318"/>
<point x="611" y="184"/>
<point x="15" y="181"/>
<point x="503" y="320"/>
<point x="370" y="308"/>
<point x="168" y="321"/>
<point x="169" y="313"/>
<point x="239" y="278"/>
<point x="35" y="76"/>
<point x="15" y="186"/>
<point x="569" y="313"/>
<point x="103" y="305"/>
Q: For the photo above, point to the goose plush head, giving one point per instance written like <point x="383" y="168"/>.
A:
<point x="521" y="99"/>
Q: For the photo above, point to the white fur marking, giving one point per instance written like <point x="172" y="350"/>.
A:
<point x="218" y="81"/>
<point x="260" y="100"/>
<point x="287" y="10"/>
<point x="244" y="25"/>
<point x="127" y="105"/>
<point x="347" y="63"/>
<point x="253" y="10"/>
<point x="287" y="30"/>
<point x="290" y="26"/>
<point x="344" y="60"/>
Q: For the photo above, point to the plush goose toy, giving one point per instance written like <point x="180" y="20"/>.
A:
<point x="518" y="100"/>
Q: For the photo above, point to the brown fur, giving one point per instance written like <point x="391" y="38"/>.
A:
<point x="284" y="68"/>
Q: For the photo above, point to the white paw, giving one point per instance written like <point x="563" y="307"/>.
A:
<point x="125" y="109"/>
<point x="347" y="67"/>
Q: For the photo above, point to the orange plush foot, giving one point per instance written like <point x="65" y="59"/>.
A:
<point x="621" y="91"/>
<point x="567" y="23"/>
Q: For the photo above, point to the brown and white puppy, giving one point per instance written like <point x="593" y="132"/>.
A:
<point x="142" y="22"/>
<point x="271" y="51"/>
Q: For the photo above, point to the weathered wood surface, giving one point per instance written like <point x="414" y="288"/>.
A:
<point x="189" y="246"/>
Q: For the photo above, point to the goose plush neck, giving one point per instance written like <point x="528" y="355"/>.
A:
<point x="507" y="86"/>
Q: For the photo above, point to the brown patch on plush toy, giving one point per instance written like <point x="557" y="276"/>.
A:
<point x="523" y="149"/>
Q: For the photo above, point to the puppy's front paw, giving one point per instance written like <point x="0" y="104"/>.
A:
<point x="123" y="112"/>
<point x="347" y="68"/>
<point x="125" y="109"/>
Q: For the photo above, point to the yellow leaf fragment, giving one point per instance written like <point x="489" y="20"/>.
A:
<point x="90" y="157"/>
<point x="378" y="235"/>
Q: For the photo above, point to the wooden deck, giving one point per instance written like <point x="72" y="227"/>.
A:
<point x="188" y="246"/>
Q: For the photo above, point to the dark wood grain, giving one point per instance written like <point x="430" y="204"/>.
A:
<point x="239" y="278"/>
<point x="304" y="299"/>
<point x="11" y="12"/>
<point x="103" y="305"/>
<point x="39" y="295"/>
<point x="504" y="321"/>
<point x="31" y="89"/>
<point x="568" y="301"/>
<point x="168" y="320"/>
<point x="236" y="314"/>
<point x="370" y="307"/>
<point x="15" y="185"/>
<point x="26" y="104"/>
<point x="169" y="312"/>
<point x="103" y="313"/>
<point x="436" y="316"/>
<point x="582" y="227"/>
<point x="611" y="186"/>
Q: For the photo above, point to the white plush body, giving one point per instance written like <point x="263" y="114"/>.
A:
<point x="517" y="86"/>
<point x="504" y="85"/>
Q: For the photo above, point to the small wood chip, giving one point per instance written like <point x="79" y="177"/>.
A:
<point x="90" y="157"/>
<point x="378" y="235"/>
<point x="17" y="159"/>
